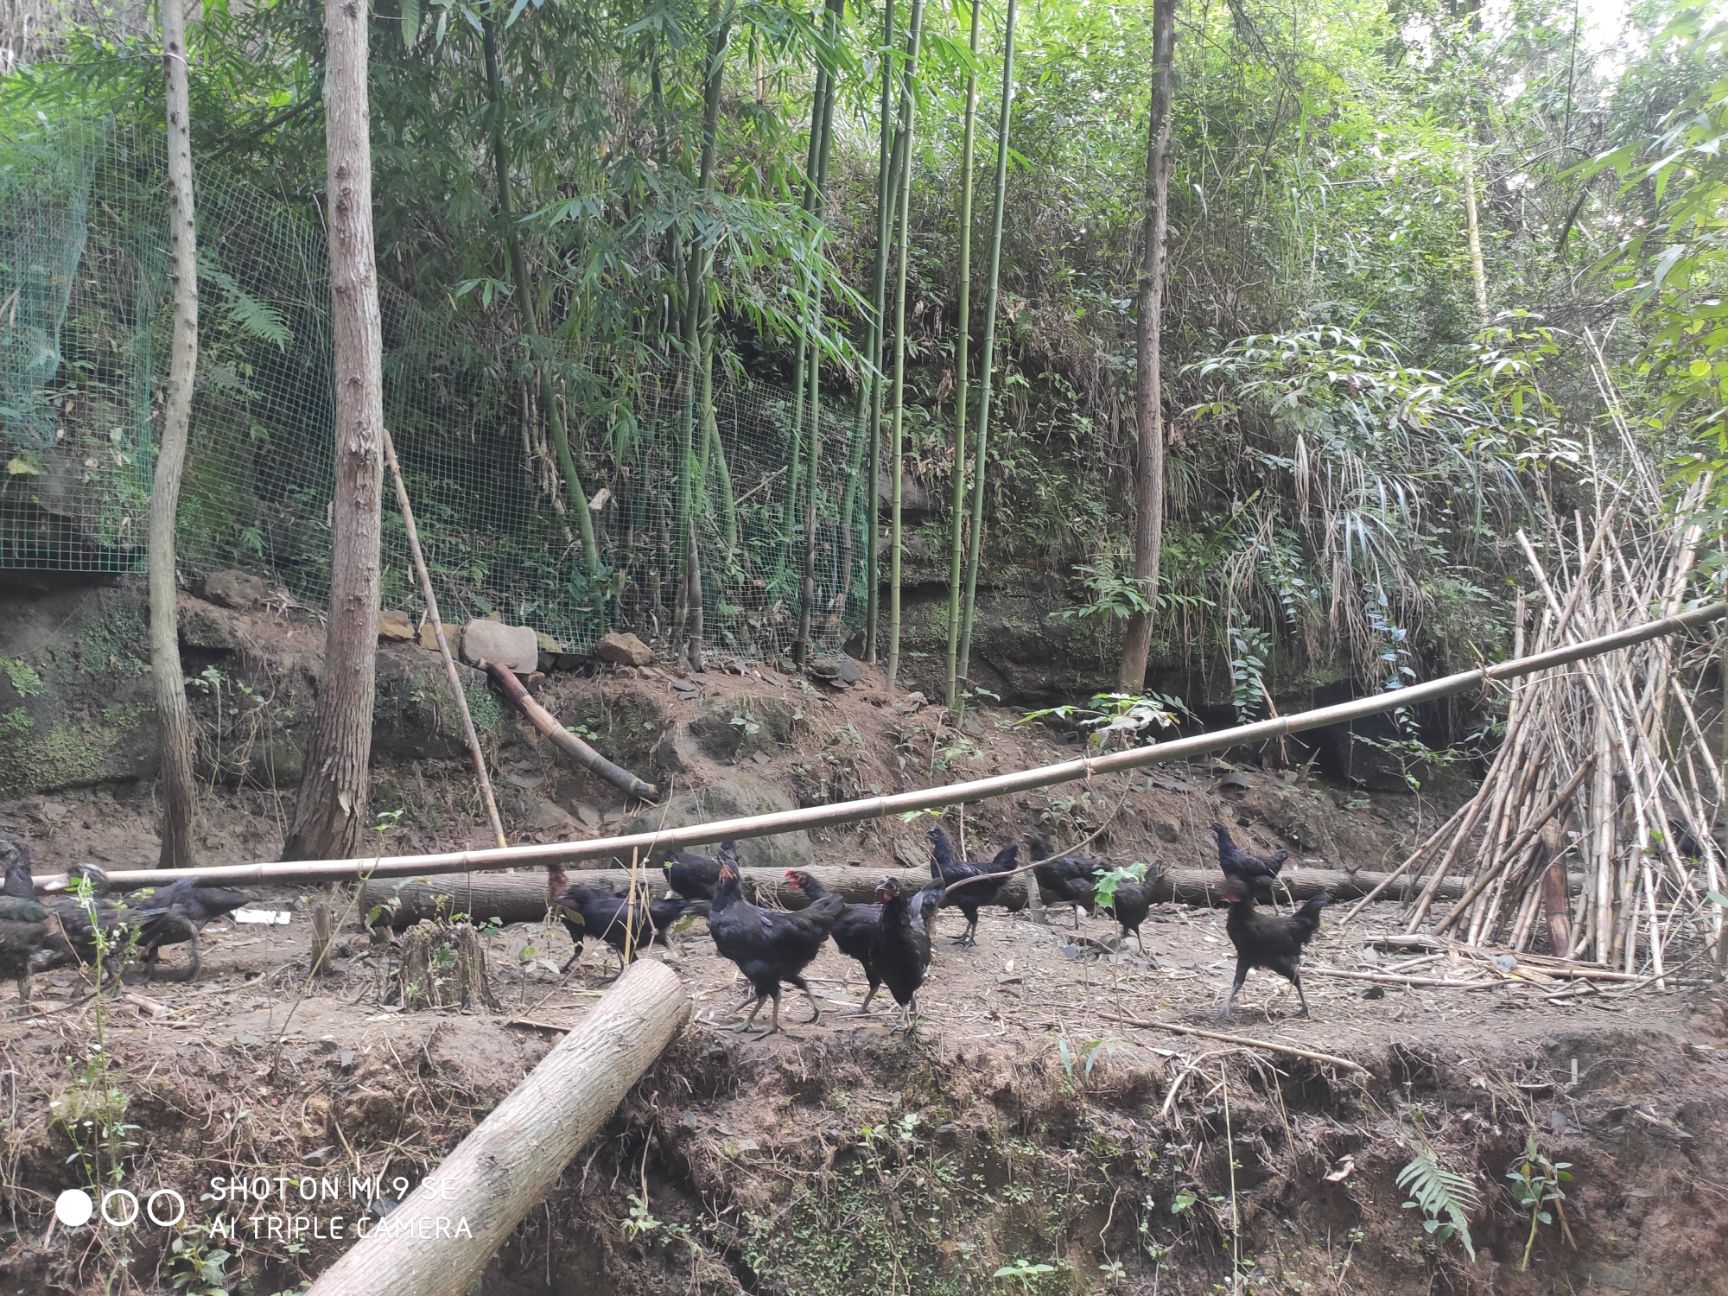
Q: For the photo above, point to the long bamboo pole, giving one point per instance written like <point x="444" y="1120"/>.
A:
<point x="878" y="807"/>
<point x="987" y="354"/>
<point x="962" y="362"/>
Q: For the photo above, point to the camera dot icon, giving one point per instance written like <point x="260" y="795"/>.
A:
<point x="74" y="1207"/>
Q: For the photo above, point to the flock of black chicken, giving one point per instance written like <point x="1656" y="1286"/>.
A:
<point x="82" y="924"/>
<point x="890" y="939"/>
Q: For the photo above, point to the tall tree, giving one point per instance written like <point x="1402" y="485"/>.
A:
<point x="987" y="355"/>
<point x="332" y="805"/>
<point x="1149" y="375"/>
<point x="179" y="793"/>
<point x="957" y="507"/>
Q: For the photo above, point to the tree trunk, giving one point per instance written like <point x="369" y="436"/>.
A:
<point x="957" y="505"/>
<point x="439" y="1240"/>
<point x="987" y="356"/>
<point x="179" y="786"/>
<point x="1149" y="375"/>
<point x="331" y="810"/>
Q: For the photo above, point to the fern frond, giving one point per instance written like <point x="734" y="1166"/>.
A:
<point x="255" y="318"/>
<point x="1442" y="1194"/>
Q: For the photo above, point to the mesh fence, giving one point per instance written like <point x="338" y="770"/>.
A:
<point x="83" y="348"/>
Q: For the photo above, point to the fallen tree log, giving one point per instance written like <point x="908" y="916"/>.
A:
<point x="565" y="741"/>
<point x="521" y="897"/>
<point x="439" y="1240"/>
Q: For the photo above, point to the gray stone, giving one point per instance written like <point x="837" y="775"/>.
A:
<point x="234" y="589"/>
<point x="1166" y="830"/>
<point x="734" y="797"/>
<point x="513" y="647"/>
<point x="623" y="649"/>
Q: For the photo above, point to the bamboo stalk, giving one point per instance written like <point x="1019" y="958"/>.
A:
<point x="877" y="807"/>
<point x="564" y="740"/>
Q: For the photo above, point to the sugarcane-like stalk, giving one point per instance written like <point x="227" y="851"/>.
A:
<point x="976" y="539"/>
<point x="957" y="508"/>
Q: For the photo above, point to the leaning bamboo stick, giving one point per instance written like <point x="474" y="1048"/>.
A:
<point x="432" y="614"/>
<point x="878" y="807"/>
<point x="564" y="740"/>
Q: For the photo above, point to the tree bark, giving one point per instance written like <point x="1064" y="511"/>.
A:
<point x="179" y="786"/>
<point x="439" y="1240"/>
<point x="1149" y="376"/>
<point x="332" y="805"/>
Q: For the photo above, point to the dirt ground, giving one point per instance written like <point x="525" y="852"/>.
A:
<point x="1046" y="1131"/>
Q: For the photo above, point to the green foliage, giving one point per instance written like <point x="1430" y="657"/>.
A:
<point x="1444" y="1197"/>
<point x="1536" y="1184"/>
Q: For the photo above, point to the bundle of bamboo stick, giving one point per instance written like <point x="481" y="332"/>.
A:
<point x="1605" y="767"/>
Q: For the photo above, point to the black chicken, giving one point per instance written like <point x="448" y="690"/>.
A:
<point x="89" y="931"/>
<point x="900" y="944"/>
<point x="947" y="866"/>
<point x="26" y="927"/>
<point x="855" y="930"/>
<point x="1065" y="879"/>
<point x="615" y="919"/>
<point x="693" y="876"/>
<point x="1268" y="941"/>
<point x="1130" y="905"/>
<point x="174" y="915"/>
<point x="1256" y="870"/>
<point x="769" y="946"/>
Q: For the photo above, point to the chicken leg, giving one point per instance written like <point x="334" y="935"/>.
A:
<point x="1235" y="989"/>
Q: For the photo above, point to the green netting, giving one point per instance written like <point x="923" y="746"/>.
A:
<point x="83" y="307"/>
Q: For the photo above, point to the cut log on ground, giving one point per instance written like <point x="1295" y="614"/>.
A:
<point x="438" y="1241"/>
<point x="521" y="897"/>
<point x="567" y="742"/>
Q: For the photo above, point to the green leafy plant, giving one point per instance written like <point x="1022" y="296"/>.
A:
<point x="1536" y="1184"/>
<point x="1444" y="1197"/>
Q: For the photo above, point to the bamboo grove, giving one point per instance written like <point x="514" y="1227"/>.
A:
<point x="925" y="227"/>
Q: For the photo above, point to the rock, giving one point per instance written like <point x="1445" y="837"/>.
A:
<point x="737" y="729"/>
<point x="1166" y="830"/>
<point x="850" y="671"/>
<point x="203" y="626"/>
<point x="428" y="636"/>
<point x="553" y="654"/>
<point x="733" y="797"/>
<point x="512" y="647"/>
<point x="1237" y="781"/>
<point x="234" y="589"/>
<point x="548" y="644"/>
<point x="542" y="815"/>
<point x="395" y="626"/>
<point x="623" y="649"/>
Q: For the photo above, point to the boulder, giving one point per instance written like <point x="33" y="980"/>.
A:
<point x="234" y="589"/>
<point x="395" y="626"/>
<point x="734" y="797"/>
<point x="512" y="647"/>
<point x="623" y="649"/>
